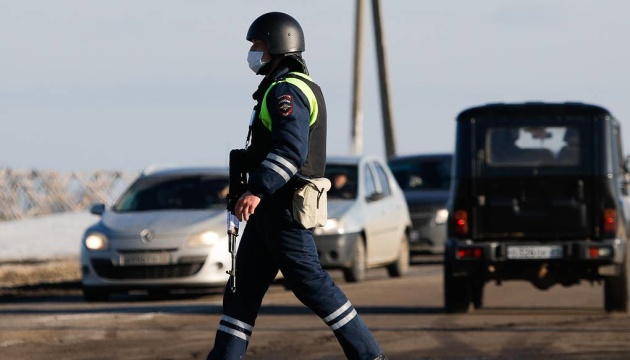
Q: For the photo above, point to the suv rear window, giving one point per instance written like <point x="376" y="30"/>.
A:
<point x="523" y="146"/>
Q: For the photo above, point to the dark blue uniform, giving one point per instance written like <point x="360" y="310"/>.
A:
<point x="288" y="140"/>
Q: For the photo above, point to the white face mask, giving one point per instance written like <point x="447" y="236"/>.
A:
<point x="254" y="59"/>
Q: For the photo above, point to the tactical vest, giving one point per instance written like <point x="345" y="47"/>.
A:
<point x="261" y="141"/>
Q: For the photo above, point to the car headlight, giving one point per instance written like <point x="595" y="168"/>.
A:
<point x="204" y="239"/>
<point x="333" y="226"/>
<point x="441" y="216"/>
<point x="96" y="242"/>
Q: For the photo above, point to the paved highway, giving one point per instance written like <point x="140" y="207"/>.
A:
<point x="405" y="314"/>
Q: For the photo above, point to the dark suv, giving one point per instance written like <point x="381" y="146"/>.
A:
<point x="425" y="179"/>
<point x="540" y="193"/>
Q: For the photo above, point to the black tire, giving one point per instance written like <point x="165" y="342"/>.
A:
<point x="478" y="294"/>
<point x="357" y="270"/>
<point x="458" y="291"/>
<point x="616" y="290"/>
<point x="94" y="294"/>
<point x="401" y="266"/>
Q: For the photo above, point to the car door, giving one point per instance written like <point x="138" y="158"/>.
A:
<point x="378" y="220"/>
<point x="520" y="197"/>
<point x="395" y="214"/>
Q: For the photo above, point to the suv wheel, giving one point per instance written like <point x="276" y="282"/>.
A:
<point x="356" y="271"/>
<point x="401" y="266"/>
<point x="478" y="294"/>
<point x="616" y="289"/>
<point x="458" y="291"/>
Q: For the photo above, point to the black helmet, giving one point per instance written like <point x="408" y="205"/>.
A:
<point x="280" y="32"/>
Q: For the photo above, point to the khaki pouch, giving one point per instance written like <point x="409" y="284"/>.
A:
<point x="310" y="203"/>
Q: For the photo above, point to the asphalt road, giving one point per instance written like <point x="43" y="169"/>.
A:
<point x="405" y="314"/>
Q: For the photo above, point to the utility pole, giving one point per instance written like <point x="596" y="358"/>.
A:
<point x="388" y="124"/>
<point x="357" y="113"/>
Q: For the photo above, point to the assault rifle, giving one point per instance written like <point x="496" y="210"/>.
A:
<point x="237" y="187"/>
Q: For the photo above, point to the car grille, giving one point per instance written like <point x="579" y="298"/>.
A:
<point x="105" y="269"/>
<point x="420" y="219"/>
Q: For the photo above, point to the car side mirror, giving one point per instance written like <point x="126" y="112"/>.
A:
<point x="374" y="197"/>
<point x="97" y="209"/>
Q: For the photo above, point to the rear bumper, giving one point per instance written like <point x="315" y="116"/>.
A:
<point x="579" y="259"/>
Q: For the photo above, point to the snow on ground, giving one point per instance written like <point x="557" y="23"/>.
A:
<point x="44" y="237"/>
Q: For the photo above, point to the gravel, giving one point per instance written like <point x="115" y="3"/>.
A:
<point x="42" y="253"/>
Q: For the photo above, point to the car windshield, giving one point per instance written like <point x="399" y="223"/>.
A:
<point x="343" y="179"/>
<point x="422" y="173"/>
<point x="533" y="146"/>
<point x="174" y="193"/>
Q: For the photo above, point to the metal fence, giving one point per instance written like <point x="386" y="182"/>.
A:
<point x="28" y="193"/>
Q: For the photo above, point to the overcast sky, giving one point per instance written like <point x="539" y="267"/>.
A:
<point x="122" y="84"/>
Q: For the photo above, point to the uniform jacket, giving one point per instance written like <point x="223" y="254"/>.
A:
<point x="288" y="132"/>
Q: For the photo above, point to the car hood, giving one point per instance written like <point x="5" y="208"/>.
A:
<point x="338" y="208"/>
<point x="162" y="222"/>
<point x="426" y="197"/>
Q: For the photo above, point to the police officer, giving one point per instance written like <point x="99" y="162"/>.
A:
<point x="288" y="141"/>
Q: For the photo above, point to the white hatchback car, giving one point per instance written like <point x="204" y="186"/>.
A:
<point x="368" y="219"/>
<point x="166" y="231"/>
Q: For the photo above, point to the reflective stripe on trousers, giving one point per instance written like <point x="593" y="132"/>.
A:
<point x="272" y="241"/>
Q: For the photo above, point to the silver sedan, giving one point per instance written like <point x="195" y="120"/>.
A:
<point x="368" y="219"/>
<point x="167" y="231"/>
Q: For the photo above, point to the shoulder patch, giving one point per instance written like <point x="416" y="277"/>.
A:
<point x="285" y="105"/>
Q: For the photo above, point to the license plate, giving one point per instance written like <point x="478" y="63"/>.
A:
<point x="156" y="258"/>
<point x="534" y="252"/>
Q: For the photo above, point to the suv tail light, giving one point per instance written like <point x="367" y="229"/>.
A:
<point x="461" y="222"/>
<point x="610" y="220"/>
<point x="467" y="253"/>
<point x="599" y="252"/>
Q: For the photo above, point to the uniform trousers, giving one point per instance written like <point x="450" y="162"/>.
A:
<point x="273" y="241"/>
